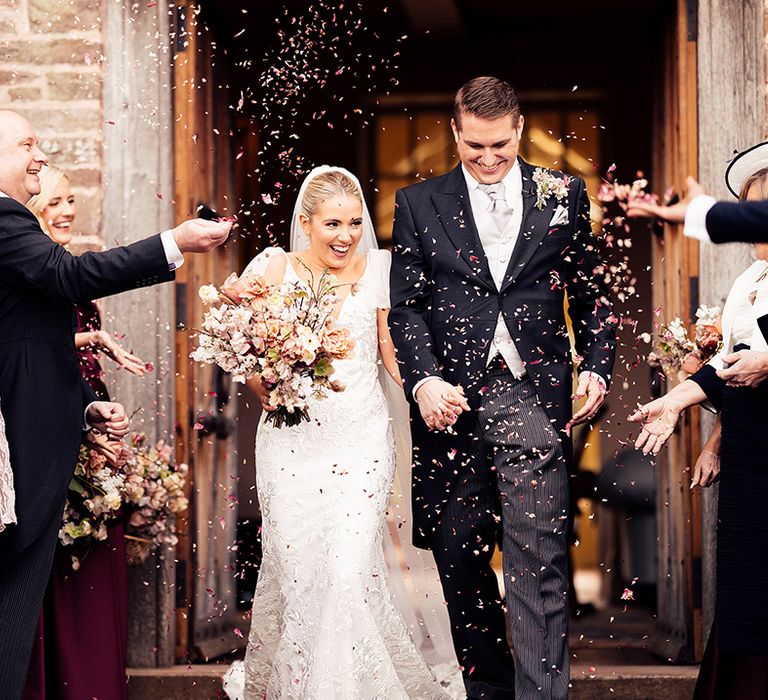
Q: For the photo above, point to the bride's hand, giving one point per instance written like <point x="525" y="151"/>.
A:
<point x="659" y="419"/>
<point x="440" y="403"/>
<point x="257" y="385"/>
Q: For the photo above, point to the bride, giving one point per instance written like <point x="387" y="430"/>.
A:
<point x="324" y="623"/>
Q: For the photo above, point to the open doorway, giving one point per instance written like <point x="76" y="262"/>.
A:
<point x="588" y="79"/>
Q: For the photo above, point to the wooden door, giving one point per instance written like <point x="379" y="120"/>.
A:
<point x="204" y="164"/>
<point x="675" y="285"/>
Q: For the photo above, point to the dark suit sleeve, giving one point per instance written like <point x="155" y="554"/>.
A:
<point x="762" y="324"/>
<point x="589" y="304"/>
<point x="745" y="222"/>
<point x="410" y="298"/>
<point x="31" y="260"/>
<point x="710" y="384"/>
<point x="89" y="395"/>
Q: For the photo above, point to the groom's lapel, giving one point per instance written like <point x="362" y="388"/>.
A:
<point x="455" y="214"/>
<point x="533" y="229"/>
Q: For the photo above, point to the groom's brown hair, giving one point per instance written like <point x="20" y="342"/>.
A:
<point x="486" y="98"/>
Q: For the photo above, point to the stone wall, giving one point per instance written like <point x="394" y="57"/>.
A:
<point x="51" y="72"/>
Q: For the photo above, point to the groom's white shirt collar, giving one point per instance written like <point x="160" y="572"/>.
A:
<point x="513" y="183"/>
<point x="3" y="194"/>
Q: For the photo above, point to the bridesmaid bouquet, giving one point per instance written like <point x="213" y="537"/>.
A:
<point x="153" y="492"/>
<point x="95" y="496"/>
<point x="137" y="482"/>
<point x="680" y="355"/>
<point x="285" y="334"/>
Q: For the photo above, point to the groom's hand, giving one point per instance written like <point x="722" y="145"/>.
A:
<point x="593" y="387"/>
<point x="108" y="418"/>
<point x="200" y="235"/>
<point x="440" y="403"/>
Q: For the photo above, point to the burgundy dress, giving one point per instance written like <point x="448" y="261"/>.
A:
<point x="81" y="648"/>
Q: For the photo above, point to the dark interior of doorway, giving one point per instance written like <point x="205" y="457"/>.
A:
<point x="597" y="60"/>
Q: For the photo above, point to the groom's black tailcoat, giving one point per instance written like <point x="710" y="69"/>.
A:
<point x="445" y="307"/>
<point x="42" y="394"/>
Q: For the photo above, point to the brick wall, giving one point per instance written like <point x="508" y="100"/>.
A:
<point x="51" y="72"/>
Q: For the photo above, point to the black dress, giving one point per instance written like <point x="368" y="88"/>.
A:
<point x="736" y="661"/>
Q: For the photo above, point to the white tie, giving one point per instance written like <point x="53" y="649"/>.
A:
<point x="500" y="212"/>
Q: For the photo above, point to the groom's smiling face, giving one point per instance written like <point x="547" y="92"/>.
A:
<point x="488" y="147"/>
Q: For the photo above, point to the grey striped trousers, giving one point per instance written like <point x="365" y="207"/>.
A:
<point x="23" y="580"/>
<point x="517" y="483"/>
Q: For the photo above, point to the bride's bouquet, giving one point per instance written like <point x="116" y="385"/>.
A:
<point x="284" y="333"/>
<point x="678" y="354"/>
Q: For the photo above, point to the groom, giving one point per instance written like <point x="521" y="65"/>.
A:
<point x="483" y="261"/>
<point x="43" y="397"/>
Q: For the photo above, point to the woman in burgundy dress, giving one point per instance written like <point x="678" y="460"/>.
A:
<point x="81" y="648"/>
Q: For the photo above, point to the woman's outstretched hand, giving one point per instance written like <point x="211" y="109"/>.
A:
<point x="673" y="213"/>
<point x="103" y="341"/>
<point x="658" y="419"/>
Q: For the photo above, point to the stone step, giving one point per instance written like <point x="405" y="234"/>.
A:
<point x="623" y="682"/>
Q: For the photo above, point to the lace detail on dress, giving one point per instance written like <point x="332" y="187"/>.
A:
<point x="7" y="493"/>
<point x="324" y="624"/>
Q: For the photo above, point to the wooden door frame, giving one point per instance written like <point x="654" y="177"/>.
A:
<point x="675" y="292"/>
<point x="203" y="172"/>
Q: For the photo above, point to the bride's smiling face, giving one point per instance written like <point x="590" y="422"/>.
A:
<point x="334" y="230"/>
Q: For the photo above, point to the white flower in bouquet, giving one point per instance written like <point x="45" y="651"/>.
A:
<point x="178" y="505"/>
<point x="707" y="315"/>
<point x="678" y="330"/>
<point x="209" y="294"/>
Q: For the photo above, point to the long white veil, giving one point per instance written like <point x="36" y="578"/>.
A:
<point x="412" y="572"/>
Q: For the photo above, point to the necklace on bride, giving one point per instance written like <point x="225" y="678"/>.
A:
<point x="313" y="268"/>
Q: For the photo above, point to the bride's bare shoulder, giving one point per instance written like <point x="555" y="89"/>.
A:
<point x="275" y="259"/>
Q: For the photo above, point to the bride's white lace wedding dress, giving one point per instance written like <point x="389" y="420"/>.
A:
<point x="324" y="624"/>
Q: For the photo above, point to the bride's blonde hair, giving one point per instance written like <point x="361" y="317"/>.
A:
<point x="325" y="186"/>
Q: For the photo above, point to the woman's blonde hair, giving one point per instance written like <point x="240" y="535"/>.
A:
<point x="325" y="186"/>
<point x="759" y="178"/>
<point x="50" y="177"/>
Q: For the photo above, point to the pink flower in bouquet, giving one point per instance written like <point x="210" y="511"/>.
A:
<point x="240" y="344"/>
<point x="337" y="342"/>
<point x="158" y="498"/>
<point x="302" y="346"/>
<point x="164" y="451"/>
<point x="254" y="287"/>
<point x="134" y="487"/>
<point x="137" y="519"/>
